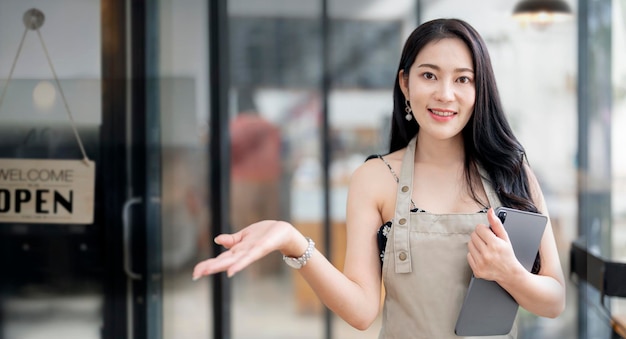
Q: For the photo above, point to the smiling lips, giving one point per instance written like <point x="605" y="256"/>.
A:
<point x="442" y="115"/>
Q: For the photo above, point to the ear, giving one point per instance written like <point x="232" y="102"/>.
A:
<point x="403" y="81"/>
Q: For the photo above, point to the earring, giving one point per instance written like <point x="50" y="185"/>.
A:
<point x="408" y="111"/>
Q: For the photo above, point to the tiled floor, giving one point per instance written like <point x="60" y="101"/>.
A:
<point x="52" y="317"/>
<point x="263" y="308"/>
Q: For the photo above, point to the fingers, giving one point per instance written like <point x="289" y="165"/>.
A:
<point x="487" y="233"/>
<point x="476" y="246"/>
<point x="246" y="246"/>
<point x="480" y="250"/>
<point x="247" y="258"/>
<point x="228" y="240"/>
<point x="228" y="262"/>
<point x="472" y="263"/>
<point x="238" y="257"/>
<point x="489" y="249"/>
<point x="214" y="265"/>
<point x="496" y="225"/>
<point x="483" y="237"/>
<point x="223" y="261"/>
<point x="473" y="252"/>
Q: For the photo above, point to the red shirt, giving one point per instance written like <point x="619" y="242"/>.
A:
<point x="255" y="148"/>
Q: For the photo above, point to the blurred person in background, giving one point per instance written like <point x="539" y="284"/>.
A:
<point x="255" y="172"/>
<point x="417" y="217"/>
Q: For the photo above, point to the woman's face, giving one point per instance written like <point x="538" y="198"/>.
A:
<point x="440" y="88"/>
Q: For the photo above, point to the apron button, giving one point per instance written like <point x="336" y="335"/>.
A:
<point x="402" y="221"/>
<point x="405" y="189"/>
<point x="402" y="256"/>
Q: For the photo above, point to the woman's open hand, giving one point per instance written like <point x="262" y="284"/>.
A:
<point x="251" y="244"/>
<point x="491" y="255"/>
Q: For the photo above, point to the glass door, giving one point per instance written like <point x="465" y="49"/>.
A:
<point x="135" y="92"/>
<point x="177" y="171"/>
<point x="52" y="265"/>
<point x="155" y="119"/>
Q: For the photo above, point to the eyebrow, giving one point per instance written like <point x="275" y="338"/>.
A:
<point x="458" y="70"/>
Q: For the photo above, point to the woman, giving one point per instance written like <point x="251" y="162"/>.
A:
<point x="453" y="159"/>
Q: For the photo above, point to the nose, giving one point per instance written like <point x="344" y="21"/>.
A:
<point x="444" y="92"/>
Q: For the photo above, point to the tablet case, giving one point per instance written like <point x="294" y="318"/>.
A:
<point x="488" y="309"/>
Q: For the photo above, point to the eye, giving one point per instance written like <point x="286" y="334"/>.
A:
<point x="428" y="76"/>
<point x="464" y="80"/>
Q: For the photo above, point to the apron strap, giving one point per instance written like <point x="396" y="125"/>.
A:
<point x="402" y="252"/>
<point x="494" y="201"/>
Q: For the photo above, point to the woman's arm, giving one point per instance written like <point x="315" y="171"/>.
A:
<point x="353" y="295"/>
<point x="491" y="257"/>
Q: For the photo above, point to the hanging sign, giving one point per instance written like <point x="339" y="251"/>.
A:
<point x="47" y="191"/>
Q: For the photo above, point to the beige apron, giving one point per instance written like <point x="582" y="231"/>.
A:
<point x="425" y="269"/>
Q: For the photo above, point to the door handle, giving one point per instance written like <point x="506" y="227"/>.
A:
<point x="126" y="224"/>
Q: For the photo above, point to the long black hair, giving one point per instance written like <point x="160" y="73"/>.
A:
<point x="488" y="138"/>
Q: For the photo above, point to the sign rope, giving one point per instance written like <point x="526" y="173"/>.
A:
<point x="33" y="20"/>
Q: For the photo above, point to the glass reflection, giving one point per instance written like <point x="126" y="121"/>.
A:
<point x="183" y="102"/>
<point x="275" y="173"/>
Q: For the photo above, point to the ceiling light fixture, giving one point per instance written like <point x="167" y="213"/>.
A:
<point x="542" y="12"/>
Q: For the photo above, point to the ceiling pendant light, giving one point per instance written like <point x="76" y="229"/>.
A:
<point x="542" y="12"/>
